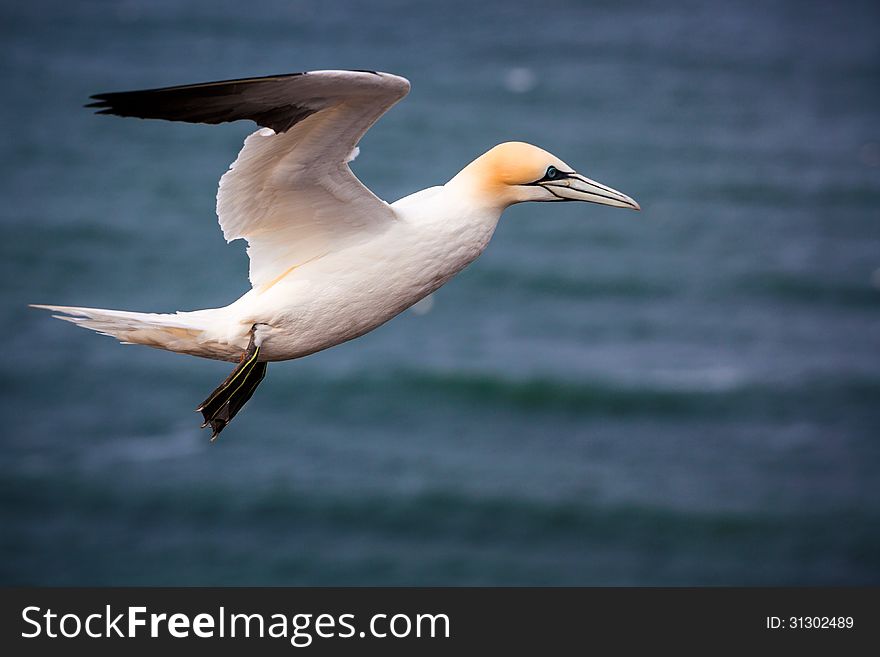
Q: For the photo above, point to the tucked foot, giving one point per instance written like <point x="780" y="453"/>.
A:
<point x="231" y="395"/>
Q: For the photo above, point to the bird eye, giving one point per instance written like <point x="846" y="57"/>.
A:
<point x="552" y="172"/>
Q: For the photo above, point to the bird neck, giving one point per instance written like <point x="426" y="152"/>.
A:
<point x="480" y="184"/>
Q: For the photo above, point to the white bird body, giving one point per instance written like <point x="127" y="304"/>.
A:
<point x="347" y="293"/>
<point x="329" y="261"/>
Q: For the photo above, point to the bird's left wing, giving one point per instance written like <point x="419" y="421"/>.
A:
<point x="290" y="192"/>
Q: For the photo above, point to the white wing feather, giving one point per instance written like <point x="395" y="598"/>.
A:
<point x="292" y="195"/>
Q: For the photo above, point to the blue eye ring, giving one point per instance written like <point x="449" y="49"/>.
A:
<point x="552" y="172"/>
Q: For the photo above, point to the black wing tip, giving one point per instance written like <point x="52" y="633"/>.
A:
<point x="103" y="107"/>
<point x="208" y="102"/>
<point x="108" y="96"/>
<point x="183" y="87"/>
<point x="105" y="103"/>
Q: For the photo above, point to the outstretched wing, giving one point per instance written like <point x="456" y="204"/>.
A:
<point x="290" y="192"/>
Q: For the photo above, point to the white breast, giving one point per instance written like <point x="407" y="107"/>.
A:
<point x="347" y="293"/>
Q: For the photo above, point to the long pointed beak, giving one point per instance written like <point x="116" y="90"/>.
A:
<point x="576" y="187"/>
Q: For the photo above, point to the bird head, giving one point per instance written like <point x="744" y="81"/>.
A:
<point x="514" y="172"/>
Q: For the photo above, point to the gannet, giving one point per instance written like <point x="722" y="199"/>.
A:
<point x="329" y="261"/>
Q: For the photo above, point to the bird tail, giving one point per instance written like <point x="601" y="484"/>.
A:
<point x="182" y="332"/>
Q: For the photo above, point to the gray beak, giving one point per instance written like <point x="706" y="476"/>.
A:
<point x="575" y="187"/>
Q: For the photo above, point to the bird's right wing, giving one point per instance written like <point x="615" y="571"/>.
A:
<point x="290" y="192"/>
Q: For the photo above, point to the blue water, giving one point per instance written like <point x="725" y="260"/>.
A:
<point x="689" y="395"/>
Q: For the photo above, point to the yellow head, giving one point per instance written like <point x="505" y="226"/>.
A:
<point x="514" y="172"/>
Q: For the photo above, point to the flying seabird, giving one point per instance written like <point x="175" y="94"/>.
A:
<point x="329" y="260"/>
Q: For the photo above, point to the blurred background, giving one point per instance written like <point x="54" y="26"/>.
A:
<point x="685" y="396"/>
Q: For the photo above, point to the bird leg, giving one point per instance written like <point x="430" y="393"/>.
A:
<point x="231" y="395"/>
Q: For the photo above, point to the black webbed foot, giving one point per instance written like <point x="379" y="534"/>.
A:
<point x="231" y="395"/>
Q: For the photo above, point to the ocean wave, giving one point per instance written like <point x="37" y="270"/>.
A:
<point x="787" y="287"/>
<point x="86" y="531"/>
<point x="820" y="395"/>
<point x="555" y="284"/>
<point x="441" y="512"/>
<point x="790" y="194"/>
